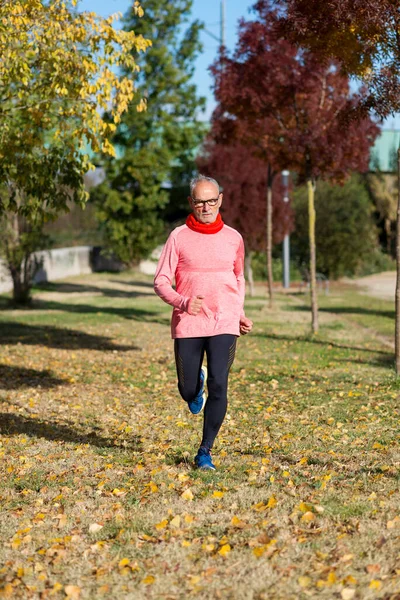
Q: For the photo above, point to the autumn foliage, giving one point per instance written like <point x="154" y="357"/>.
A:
<point x="59" y="73"/>
<point x="363" y="36"/>
<point x="292" y="107"/>
<point x="243" y="178"/>
<point x="289" y="103"/>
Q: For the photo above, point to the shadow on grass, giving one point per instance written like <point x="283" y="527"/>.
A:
<point x="145" y="284"/>
<point x="133" y="314"/>
<point x="13" y="424"/>
<point x="386" y="361"/>
<point x="309" y="340"/>
<point x="76" y="288"/>
<point x="346" y="310"/>
<point x="55" y="337"/>
<point x="12" y="378"/>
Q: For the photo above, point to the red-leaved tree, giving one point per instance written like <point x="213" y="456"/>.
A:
<point x="289" y="103"/>
<point x="243" y="177"/>
<point x="364" y="36"/>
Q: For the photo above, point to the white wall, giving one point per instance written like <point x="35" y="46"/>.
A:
<point x="57" y="264"/>
<point x="68" y="262"/>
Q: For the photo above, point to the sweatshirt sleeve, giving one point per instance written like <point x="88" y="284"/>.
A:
<point x="165" y="275"/>
<point x="238" y="269"/>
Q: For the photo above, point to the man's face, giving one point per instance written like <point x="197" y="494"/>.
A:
<point x="204" y="213"/>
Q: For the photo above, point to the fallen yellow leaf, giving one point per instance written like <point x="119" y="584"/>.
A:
<point x="224" y="550"/>
<point x="236" y="522"/>
<point x="259" y="551"/>
<point x="189" y="519"/>
<point x="304" y="581"/>
<point x="175" y="522"/>
<point x="72" y="591"/>
<point x="331" y="579"/>
<point x="162" y="524"/>
<point x="308" y="517"/>
<point x="208" y="547"/>
<point x="304" y="507"/>
<point x="187" y="494"/>
<point x="347" y="593"/>
<point x="7" y="591"/>
<point x="218" y="494"/>
<point x="123" y="562"/>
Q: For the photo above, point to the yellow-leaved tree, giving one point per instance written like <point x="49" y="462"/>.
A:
<point x="59" y="73"/>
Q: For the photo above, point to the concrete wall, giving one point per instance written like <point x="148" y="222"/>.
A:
<point x="68" y="262"/>
<point x="57" y="264"/>
<point x="149" y="266"/>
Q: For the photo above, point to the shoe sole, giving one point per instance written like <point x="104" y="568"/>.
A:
<point x="205" y="375"/>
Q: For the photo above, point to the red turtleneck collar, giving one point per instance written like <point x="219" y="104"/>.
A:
<point x="195" y="225"/>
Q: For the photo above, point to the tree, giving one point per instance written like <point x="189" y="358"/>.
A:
<point x="346" y="234"/>
<point x="157" y="146"/>
<point x="364" y="37"/>
<point x="242" y="176"/>
<point x="383" y="188"/>
<point x="290" y="103"/>
<point x="58" y="69"/>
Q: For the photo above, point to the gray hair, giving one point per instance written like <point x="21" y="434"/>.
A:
<point x="198" y="179"/>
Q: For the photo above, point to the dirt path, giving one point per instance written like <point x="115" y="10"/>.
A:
<point x="380" y="285"/>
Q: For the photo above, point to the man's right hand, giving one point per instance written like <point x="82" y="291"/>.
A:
<point x="194" y="305"/>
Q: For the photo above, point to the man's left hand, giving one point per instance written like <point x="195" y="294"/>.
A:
<point x="245" y="326"/>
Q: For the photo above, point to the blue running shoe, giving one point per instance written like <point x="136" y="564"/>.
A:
<point x="203" y="460"/>
<point x="197" y="405"/>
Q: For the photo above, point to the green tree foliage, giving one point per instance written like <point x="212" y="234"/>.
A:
<point x="58" y="66"/>
<point x="346" y="234"/>
<point x="384" y="190"/>
<point x="158" y="145"/>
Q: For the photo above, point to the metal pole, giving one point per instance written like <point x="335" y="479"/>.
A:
<point x="286" y="240"/>
<point x="222" y="22"/>
<point x="286" y="261"/>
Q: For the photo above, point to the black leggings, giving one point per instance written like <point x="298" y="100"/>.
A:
<point x="189" y="354"/>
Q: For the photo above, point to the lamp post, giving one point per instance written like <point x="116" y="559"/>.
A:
<point x="286" y="239"/>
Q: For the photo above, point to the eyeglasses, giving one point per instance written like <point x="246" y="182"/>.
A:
<point x="210" y="202"/>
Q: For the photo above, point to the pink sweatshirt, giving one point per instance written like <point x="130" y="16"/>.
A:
<point x="209" y="265"/>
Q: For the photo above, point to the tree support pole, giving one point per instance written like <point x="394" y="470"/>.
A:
<point x="397" y="300"/>
<point x="269" y="236"/>
<point x="313" y="278"/>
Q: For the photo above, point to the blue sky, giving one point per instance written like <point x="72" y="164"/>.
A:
<point x="207" y="11"/>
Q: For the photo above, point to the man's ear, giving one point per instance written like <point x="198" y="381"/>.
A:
<point x="221" y="197"/>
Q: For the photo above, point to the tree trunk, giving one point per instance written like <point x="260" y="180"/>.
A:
<point x="18" y="262"/>
<point x="313" y="279"/>
<point x="397" y="300"/>
<point x="388" y="230"/>
<point x="269" y="236"/>
<point x="249" y="272"/>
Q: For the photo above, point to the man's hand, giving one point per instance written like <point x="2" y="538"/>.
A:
<point x="194" y="305"/>
<point x="245" y="326"/>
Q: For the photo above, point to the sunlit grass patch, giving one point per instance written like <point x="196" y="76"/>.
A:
<point x="98" y="488"/>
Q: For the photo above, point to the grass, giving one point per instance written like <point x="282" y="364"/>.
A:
<point x="98" y="495"/>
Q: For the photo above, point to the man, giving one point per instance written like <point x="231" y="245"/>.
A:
<point x="205" y="257"/>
